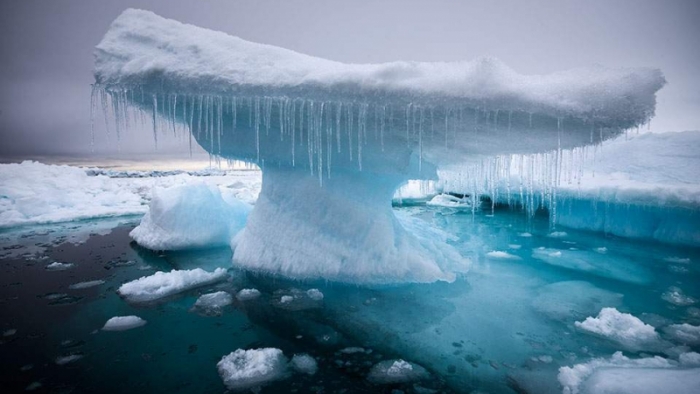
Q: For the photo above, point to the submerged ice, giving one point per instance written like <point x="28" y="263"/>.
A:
<point x="335" y="141"/>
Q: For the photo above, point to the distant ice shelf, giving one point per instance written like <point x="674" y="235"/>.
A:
<point x="335" y="141"/>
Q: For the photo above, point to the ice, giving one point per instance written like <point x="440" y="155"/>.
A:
<point x="213" y="302"/>
<point x="303" y="363"/>
<point x="675" y="296"/>
<point x="165" y="284"/>
<point x="603" y="265"/>
<point x="450" y="201"/>
<point x="190" y="216"/>
<point x="622" y="375"/>
<point x="622" y="328"/>
<point x="396" y="371"/>
<point x="86" y="284"/>
<point x="319" y="129"/>
<point x="37" y="193"/>
<point x="286" y="299"/>
<point x="9" y="332"/>
<point x="352" y="350"/>
<point x="248" y="369"/>
<point x="56" y="266"/>
<point x="685" y="333"/>
<point x="569" y="300"/>
<point x="248" y="294"/>
<point x="497" y="254"/>
<point x="315" y="294"/>
<point x="557" y="234"/>
<point x="62" y="360"/>
<point x="123" y="323"/>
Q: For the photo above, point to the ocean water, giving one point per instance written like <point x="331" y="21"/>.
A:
<point x="504" y="327"/>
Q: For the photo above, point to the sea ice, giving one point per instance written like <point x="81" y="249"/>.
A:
<point x="86" y="285"/>
<point x="314" y="294"/>
<point x="286" y="299"/>
<point x="62" y="360"/>
<point x="450" y="201"/>
<point x="622" y="375"/>
<point x="214" y="301"/>
<point x="123" y="323"/>
<point x="164" y="284"/>
<point x="571" y="300"/>
<point x="497" y="254"/>
<point x="304" y="363"/>
<point x="247" y="369"/>
<point x="189" y="217"/>
<point x="623" y="328"/>
<point x="56" y="266"/>
<point x="248" y="294"/>
<point x="396" y="371"/>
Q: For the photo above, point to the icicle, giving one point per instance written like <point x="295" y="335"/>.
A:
<point x="257" y="128"/>
<point x="234" y="115"/>
<point x="155" y="125"/>
<point x="92" y="118"/>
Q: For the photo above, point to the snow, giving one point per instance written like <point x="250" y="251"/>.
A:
<point x="165" y="284"/>
<point x="123" y="323"/>
<point x="303" y="363"/>
<point x="214" y="301"/>
<point x="189" y="217"/>
<point x="396" y="371"/>
<point x="497" y="254"/>
<point x="86" y="284"/>
<point x="56" y="266"/>
<point x="247" y="369"/>
<point x="248" y="294"/>
<point x="622" y="375"/>
<point x="623" y="328"/>
<point x="36" y="193"/>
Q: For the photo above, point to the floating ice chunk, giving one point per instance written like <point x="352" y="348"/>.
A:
<point x="123" y="323"/>
<point x="33" y="386"/>
<point x="164" y="284"/>
<point x="304" y="363"/>
<point x="601" y="250"/>
<point x="62" y="360"/>
<point x="246" y="369"/>
<point x="557" y="234"/>
<point x="286" y="299"/>
<point x="571" y="300"/>
<point x="213" y="303"/>
<point x="248" y="294"/>
<point x="450" y="201"/>
<point x="9" y="332"/>
<point x="514" y="246"/>
<point x="604" y="265"/>
<point x="675" y="296"/>
<point x="86" y="285"/>
<point x="496" y="254"/>
<point x="314" y="294"/>
<point x="525" y="235"/>
<point x="396" y="371"/>
<point x="56" y="266"/>
<point x="190" y="217"/>
<point x="623" y="328"/>
<point x="679" y="260"/>
<point x="621" y="375"/>
<point x="685" y="333"/>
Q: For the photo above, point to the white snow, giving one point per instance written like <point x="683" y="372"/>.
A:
<point x="86" y="285"/>
<point x="622" y="375"/>
<point x="623" y="328"/>
<point x="248" y="294"/>
<point x="217" y="300"/>
<point x="396" y="371"/>
<point x="164" y="284"/>
<point x="247" y="369"/>
<point x="304" y="363"/>
<point x="188" y="217"/>
<point x="314" y="294"/>
<point x="36" y="193"/>
<point x="123" y="323"/>
<point x="56" y="266"/>
<point x="497" y="254"/>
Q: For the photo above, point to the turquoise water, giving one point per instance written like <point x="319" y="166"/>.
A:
<point x="504" y="327"/>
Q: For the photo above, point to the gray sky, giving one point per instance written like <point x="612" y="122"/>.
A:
<point x="46" y="50"/>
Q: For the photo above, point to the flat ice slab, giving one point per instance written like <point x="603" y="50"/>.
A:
<point x="123" y="323"/>
<point x="164" y="284"/>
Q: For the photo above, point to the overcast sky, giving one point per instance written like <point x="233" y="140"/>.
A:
<point x="46" y="50"/>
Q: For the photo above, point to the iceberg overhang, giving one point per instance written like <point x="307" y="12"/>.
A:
<point x="323" y="130"/>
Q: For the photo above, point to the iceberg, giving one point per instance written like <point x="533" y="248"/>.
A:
<point x="335" y="141"/>
<point x="247" y="369"/>
<point x="623" y="328"/>
<point x="189" y="217"/>
<point x="165" y="284"/>
<point x="123" y="323"/>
